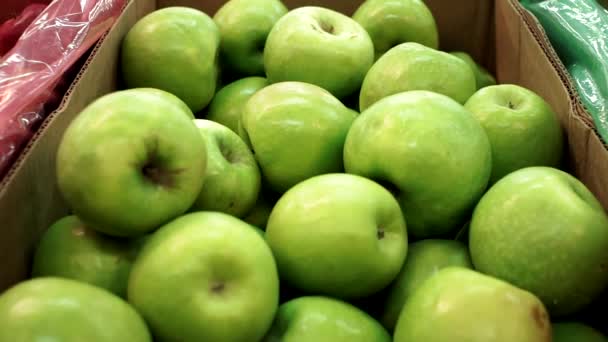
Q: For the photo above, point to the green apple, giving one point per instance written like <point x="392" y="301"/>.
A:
<point x="392" y="22"/>
<point x="170" y="98"/>
<point x="206" y="276"/>
<point x="318" y="318"/>
<point x="483" y="78"/>
<point x="424" y="259"/>
<point x="232" y="176"/>
<point x="69" y="249"/>
<point x="129" y="162"/>
<point x="58" y="309"/>
<point x="244" y="26"/>
<point x="429" y="151"/>
<point x="259" y="214"/>
<point x="339" y="235"/>
<point x="173" y="49"/>
<point x="296" y="131"/>
<point x="576" y="332"/>
<point x="412" y="66"/>
<point x="227" y="105"/>
<point x="458" y="304"/>
<point x="319" y="46"/>
<point x="522" y="128"/>
<point x="541" y="229"/>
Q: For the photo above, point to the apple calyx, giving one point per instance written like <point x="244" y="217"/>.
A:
<point x="327" y="27"/>
<point x="159" y="176"/>
<point x="323" y="26"/>
<point x="228" y="153"/>
<point x="380" y="233"/>
<point x="153" y="172"/>
<point x="218" y="287"/>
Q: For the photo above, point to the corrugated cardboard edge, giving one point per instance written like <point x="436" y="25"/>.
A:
<point x="23" y="220"/>
<point x="589" y="154"/>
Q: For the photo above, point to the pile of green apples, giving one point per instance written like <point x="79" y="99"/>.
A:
<point x="303" y="176"/>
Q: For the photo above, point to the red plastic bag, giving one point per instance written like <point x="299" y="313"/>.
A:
<point x="11" y="30"/>
<point x="31" y="71"/>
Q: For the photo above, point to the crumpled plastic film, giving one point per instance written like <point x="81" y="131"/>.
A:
<point x="31" y="70"/>
<point x="578" y="30"/>
<point x="13" y="28"/>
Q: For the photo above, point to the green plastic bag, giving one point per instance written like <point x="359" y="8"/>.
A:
<point x="578" y="30"/>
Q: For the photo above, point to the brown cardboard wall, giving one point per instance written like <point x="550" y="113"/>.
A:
<point x="590" y="156"/>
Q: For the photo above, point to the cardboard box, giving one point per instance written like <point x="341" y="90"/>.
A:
<point x="499" y="34"/>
